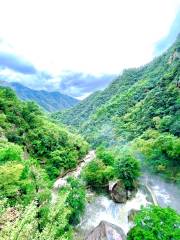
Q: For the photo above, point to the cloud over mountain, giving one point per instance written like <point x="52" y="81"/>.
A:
<point x="79" y="84"/>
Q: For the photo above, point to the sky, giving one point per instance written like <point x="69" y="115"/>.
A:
<point x="80" y="46"/>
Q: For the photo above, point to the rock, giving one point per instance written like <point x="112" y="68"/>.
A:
<point x="174" y="56"/>
<point x="111" y="185"/>
<point x="106" y="231"/>
<point x="119" y="193"/>
<point x="131" y="194"/>
<point x="131" y="215"/>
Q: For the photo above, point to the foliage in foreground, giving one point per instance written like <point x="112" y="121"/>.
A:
<point x="51" y="221"/>
<point x="26" y="226"/>
<point x="156" y="223"/>
<point x="33" y="152"/>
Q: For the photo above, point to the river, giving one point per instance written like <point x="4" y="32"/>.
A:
<point x="101" y="207"/>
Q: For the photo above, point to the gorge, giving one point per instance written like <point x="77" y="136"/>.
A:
<point x="59" y="171"/>
<point x="101" y="207"/>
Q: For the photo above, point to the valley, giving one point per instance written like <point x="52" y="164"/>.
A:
<point x="107" y="168"/>
<point x="137" y="116"/>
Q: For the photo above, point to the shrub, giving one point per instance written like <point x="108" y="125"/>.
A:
<point x="106" y="156"/>
<point x="97" y="174"/>
<point x="10" y="152"/>
<point x="156" y="223"/>
<point x="76" y="200"/>
<point x="127" y="169"/>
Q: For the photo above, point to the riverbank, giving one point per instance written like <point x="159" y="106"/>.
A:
<point x="62" y="180"/>
<point x="100" y="207"/>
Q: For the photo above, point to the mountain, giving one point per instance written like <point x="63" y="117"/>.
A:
<point x="129" y="95"/>
<point x="86" y="108"/>
<point x="50" y="101"/>
<point x="141" y="107"/>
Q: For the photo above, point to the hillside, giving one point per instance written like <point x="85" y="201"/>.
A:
<point x="142" y="103"/>
<point x="49" y="101"/>
<point x="82" y="111"/>
<point x="34" y="151"/>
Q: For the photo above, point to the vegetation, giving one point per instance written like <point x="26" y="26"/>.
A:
<point x="53" y="146"/>
<point x="76" y="200"/>
<point x="33" y="152"/>
<point x="127" y="169"/>
<point x="141" y="100"/>
<point x="26" y="223"/>
<point x="155" y="223"/>
<point x="97" y="174"/>
<point x="109" y="166"/>
<point x="48" y="101"/>
<point x="100" y="171"/>
<point x="161" y="153"/>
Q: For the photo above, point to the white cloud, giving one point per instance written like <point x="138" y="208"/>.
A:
<point x="87" y="37"/>
<point x="91" y="36"/>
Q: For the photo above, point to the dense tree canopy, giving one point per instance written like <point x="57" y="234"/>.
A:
<point x="33" y="152"/>
<point x="138" y="100"/>
<point x="155" y="223"/>
<point x="127" y="169"/>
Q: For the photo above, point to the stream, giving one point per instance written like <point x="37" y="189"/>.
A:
<point x="167" y="193"/>
<point x="101" y="207"/>
<point x="61" y="181"/>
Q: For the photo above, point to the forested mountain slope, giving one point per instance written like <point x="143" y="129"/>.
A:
<point x="34" y="151"/>
<point x="49" y="101"/>
<point x="143" y="103"/>
<point x="82" y="111"/>
<point x="151" y="89"/>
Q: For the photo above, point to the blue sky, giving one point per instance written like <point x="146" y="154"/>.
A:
<point x="78" y="47"/>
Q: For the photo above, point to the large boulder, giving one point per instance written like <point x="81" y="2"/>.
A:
<point x="106" y="231"/>
<point x="119" y="193"/>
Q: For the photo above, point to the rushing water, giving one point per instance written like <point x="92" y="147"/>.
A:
<point x="167" y="193"/>
<point x="101" y="207"/>
<point x="62" y="181"/>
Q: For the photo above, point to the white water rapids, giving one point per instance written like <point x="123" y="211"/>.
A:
<point x="101" y="207"/>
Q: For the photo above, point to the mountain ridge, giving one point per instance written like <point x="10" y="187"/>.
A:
<point x="138" y="112"/>
<point x="133" y="86"/>
<point x="49" y="101"/>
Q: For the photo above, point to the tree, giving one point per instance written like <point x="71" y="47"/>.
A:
<point x="105" y="155"/>
<point x="10" y="182"/>
<point x="97" y="174"/>
<point x="127" y="169"/>
<point x="76" y="200"/>
<point x="156" y="223"/>
<point x="161" y="151"/>
<point x="10" y="152"/>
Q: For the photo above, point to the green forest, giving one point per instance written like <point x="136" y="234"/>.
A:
<point x="133" y="125"/>
<point x="34" y="151"/>
<point x="140" y="109"/>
